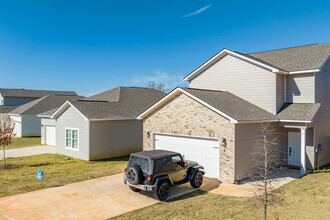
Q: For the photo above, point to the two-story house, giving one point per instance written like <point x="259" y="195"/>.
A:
<point x="11" y="98"/>
<point x="217" y="120"/>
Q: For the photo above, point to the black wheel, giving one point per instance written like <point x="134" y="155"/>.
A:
<point x="134" y="189"/>
<point x="133" y="175"/>
<point x="197" y="179"/>
<point x="163" y="191"/>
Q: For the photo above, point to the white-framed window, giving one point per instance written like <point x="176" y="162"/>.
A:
<point x="72" y="138"/>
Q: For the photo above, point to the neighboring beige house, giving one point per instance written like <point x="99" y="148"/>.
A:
<point x="217" y="119"/>
<point x="103" y="125"/>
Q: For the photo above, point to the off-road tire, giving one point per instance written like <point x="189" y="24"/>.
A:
<point x="134" y="175"/>
<point x="197" y="179"/>
<point x="163" y="191"/>
<point x="134" y="189"/>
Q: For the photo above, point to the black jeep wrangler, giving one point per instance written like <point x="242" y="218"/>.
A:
<point x="158" y="170"/>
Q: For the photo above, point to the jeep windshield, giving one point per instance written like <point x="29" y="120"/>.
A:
<point x="140" y="162"/>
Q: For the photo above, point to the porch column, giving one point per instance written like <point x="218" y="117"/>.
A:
<point x="303" y="151"/>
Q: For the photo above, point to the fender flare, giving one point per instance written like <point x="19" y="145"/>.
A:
<point x="161" y="178"/>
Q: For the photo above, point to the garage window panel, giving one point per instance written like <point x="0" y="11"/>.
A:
<point x="71" y="138"/>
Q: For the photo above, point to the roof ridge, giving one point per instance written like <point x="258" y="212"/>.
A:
<point x="288" y="48"/>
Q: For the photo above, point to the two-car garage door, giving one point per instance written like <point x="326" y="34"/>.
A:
<point x="202" y="150"/>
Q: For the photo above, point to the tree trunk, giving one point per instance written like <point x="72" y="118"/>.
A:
<point x="4" y="157"/>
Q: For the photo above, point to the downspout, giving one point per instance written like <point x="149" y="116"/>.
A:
<point x="284" y="98"/>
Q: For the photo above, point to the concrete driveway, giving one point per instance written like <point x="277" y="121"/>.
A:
<point x="28" y="151"/>
<point x="98" y="198"/>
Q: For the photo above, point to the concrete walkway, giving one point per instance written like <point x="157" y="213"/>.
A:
<point x="99" y="198"/>
<point x="28" y="151"/>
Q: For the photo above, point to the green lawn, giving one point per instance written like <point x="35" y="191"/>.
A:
<point x="58" y="170"/>
<point x="304" y="198"/>
<point x="24" y="142"/>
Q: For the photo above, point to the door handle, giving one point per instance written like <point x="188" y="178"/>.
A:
<point x="290" y="150"/>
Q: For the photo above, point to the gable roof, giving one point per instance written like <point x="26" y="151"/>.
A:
<point x="238" y="110"/>
<point x="309" y="58"/>
<point x="42" y="104"/>
<point x="27" y="93"/>
<point x="121" y="103"/>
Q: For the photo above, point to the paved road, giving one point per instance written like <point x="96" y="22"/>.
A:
<point x="28" y="151"/>
<point x="99" y="198"/>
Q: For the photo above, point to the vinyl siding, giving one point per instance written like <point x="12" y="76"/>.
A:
<point x="31" y="126"/>
<point x="115" y="138"/>
<point x="46" y="122"/>
<point x="70" y="118"/>
<point x="247" y="140"/>
<point x="241" y="78"/>
<point x="17" y="125"/>
<point x="279" y="91"/>
<point x="16" y="101"/>
<point x="322" y="119"/>
<point x="300" y="88"/>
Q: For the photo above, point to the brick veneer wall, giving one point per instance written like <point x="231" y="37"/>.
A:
<point x="184" y="116"/>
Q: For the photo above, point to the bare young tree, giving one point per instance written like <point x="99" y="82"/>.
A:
<point x="156" y="85"/>
<point x="6" y="134"/>
<point x="267" y="165"/>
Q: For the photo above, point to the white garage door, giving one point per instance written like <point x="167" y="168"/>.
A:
<point x="17" y="128"/>
<point x="50" y="135"/>
<point x="202" y="150"/>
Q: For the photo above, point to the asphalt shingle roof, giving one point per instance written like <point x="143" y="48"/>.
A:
<point x="232" y="105"/>
<point x="119" y="103"/>
<point x="43" y="104"/>
<point x="298" y="111"/>
<point x="295" y="58"/>
<point x="27" y="93"/>
<point x="6" y="109"/>
<point x="242" y="110"/>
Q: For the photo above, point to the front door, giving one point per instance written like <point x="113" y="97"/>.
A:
<point x="294" y="148"/>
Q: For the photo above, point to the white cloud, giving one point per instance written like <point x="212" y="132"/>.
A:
<point x="170" y="81"/>
<point x="198" y="11"/>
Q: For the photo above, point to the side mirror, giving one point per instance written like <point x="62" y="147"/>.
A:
<point x="180" y="163"/>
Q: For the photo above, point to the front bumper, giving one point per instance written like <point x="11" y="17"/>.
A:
<point x="148" y="188"/>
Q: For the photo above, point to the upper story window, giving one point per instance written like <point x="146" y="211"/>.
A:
<point x="71" y="138"/>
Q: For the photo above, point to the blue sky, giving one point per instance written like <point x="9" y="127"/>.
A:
<point x="93" y="46"/>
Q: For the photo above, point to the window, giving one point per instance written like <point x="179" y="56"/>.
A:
<point x="161" y="165"/>
<point x="140" y="162"/>
<point x="175" y="160"/>
<point x="71" y="138"/>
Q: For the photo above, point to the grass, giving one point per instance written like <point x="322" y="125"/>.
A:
<point x="24" y="142"/>
<point x="305" y="198"/>
<point x="58" y="170"/>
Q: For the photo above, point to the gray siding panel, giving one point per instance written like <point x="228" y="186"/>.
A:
<point x="17" y="101"/>
<point x="279" y="91"/>
<point x="247" y="141"/>
<point x="300" y="88"/>
<point x="70" y="118"/>
<point x="115" y="138"/>
<point x="46" y="122"/>
<point x="241" y="78"/>
<point x="31" y="126"/>
<point x="322" y="119"/>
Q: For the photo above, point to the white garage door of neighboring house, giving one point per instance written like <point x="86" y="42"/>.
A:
<point x="17" y="128"/>
<point x="202" y="150"/>
<point x="50" y="135"/>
